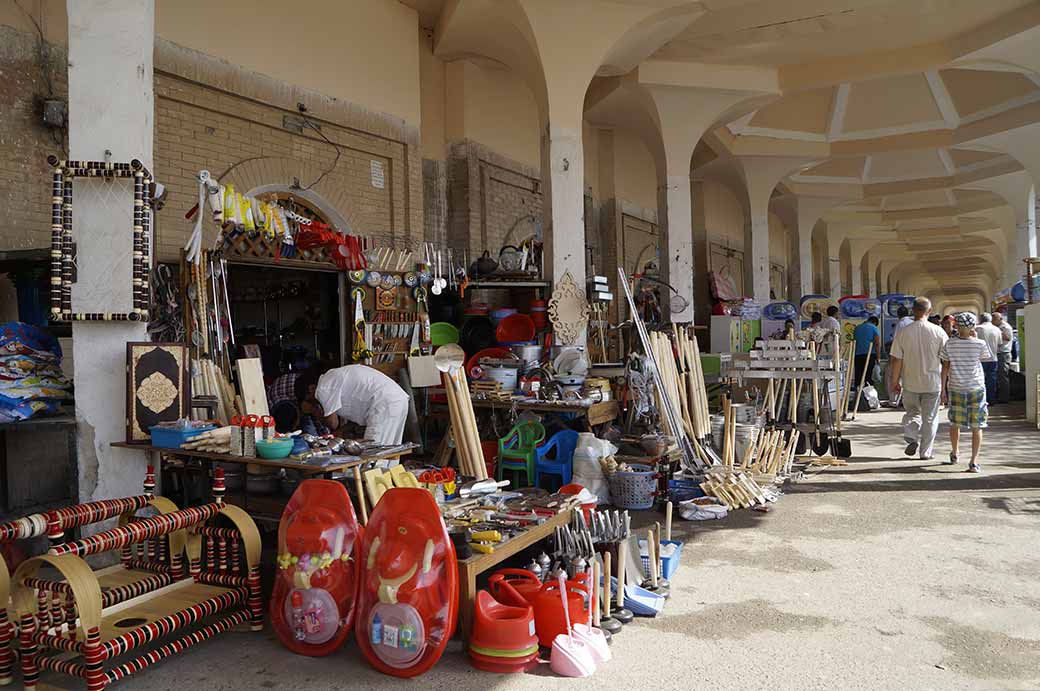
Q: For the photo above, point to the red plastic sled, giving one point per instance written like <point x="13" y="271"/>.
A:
<point x="409" y="596"/>
<point x="315" y="589"/>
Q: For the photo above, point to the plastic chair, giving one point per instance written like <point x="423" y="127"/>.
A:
<point x="516" y="450"/>
<point x="564" y="442"/>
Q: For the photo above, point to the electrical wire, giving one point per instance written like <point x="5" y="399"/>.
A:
<point x="307" y="121"/>
<point x="46" y="65"/>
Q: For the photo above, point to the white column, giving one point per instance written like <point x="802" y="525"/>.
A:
<point x="111" y="107"/>
<point x="857" y="280"/>
<point x="680" y="242"/>
<point x="805" y="261"/>
<point x="810" y="210"/>
<point x="565" y="240"/>
<point x="756" y="258"/>
<point x="835" y="288"/>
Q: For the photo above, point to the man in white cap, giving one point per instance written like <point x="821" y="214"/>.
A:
<point x="964" y="386"/>
<point x="915" y="370"/>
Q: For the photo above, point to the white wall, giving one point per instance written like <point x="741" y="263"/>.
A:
<point x="1032" y="331"/>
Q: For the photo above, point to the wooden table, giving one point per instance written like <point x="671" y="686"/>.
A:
<point x="470" y="568"/>
<point x="354" y="464"/>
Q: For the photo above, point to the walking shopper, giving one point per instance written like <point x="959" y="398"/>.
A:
<point x="965" y="387"/>
<point x="905" y="320"/>
<point x="866" y="335"/>
<point x="831" y="320"/>
<point x="1007" y="339"/>
<point x="991" y="335"/>
<point x="916" y="371"/>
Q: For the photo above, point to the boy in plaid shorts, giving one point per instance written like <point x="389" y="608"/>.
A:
<point x="964" y="386"/>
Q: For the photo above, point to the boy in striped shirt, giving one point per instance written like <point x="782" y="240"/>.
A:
<point x="964" y="386"/>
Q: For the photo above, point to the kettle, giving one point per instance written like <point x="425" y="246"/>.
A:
<point x="484" y="265"/>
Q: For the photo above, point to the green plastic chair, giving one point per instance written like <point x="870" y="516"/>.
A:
<point x="516" y="450"/>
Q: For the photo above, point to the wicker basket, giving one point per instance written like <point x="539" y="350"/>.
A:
<point x="634" y="489"/>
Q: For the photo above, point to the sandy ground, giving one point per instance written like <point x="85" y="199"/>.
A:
<point x="888" y="573"/>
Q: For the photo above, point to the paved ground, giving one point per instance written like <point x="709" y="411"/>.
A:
<point x="888" y="573"/>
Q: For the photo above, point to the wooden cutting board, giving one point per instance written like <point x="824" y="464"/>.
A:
<point x="251" y="384"/>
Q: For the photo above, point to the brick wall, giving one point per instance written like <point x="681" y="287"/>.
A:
<point x="25" y="143"/>
<point x="491" y="199"/>
<point x="212" y="115"/>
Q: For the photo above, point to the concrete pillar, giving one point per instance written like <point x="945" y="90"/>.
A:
<point x="679" y="221"/>
<point x="683" y="116"/>
<point x="756" y="256"/>
<point x="761" y="175"/>
<point x="571" y="41"/>
<point x="835" y="288"/>
<point x="857" y="251"/>
<point x="563" y="172"/>
<point x="111" y="108"/>
<point x="810" y="210"/>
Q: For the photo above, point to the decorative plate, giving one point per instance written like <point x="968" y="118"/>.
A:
<point x="568" y="310"/>
<point x="356" y="276"/>
<point x="374" y="278"/>
<point x="411" y="279"/>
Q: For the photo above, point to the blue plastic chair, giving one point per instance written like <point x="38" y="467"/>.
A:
<point x="562" y="462"/>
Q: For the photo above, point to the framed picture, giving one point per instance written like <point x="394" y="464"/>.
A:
<point x="64" y="174"/>
<point x="158" y="387"/>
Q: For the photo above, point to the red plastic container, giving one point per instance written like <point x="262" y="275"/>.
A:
<point x="502" y="628"/>
<point x="549" y="620"/>
<point x="539" y="314"/>
<point x="516" y="328"/>
<point x="520" y="581"/>
<point x="473" y="363"/>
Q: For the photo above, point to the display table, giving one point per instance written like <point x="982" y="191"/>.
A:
<point x="470" y="568"/>
<point x="322" y="466"/>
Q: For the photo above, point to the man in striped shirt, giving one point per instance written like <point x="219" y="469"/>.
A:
<point x="964" y="385"/>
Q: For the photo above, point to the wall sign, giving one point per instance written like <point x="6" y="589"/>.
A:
<point x="378" y="174"/>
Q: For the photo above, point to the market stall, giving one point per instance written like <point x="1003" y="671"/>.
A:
<point x="429" y="434"/>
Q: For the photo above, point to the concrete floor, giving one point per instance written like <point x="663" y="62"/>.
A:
<point x="887" y="573"/>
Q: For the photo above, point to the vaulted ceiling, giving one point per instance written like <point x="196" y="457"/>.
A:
<point x="907" y="115"/>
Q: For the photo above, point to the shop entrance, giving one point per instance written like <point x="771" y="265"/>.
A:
<point x="287" y="317"/>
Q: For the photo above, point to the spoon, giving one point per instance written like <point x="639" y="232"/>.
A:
<point x="438" y="282"/>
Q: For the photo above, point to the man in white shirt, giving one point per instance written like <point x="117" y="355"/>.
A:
<point x="364" y="396"/>
<point x="988" y="333"/>
<point x="1007" y="337"/>
<point x="916" y="371"/>
<point x="831" y="320"/>
<point x="905" y="320"/>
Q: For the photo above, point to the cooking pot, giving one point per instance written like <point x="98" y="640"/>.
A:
<point x="530" y="354"/>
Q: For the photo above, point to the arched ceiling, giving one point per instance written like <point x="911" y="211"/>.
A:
<point x="786" y="32"/>
<point x="920" y="102"/>
<point x="905" y="112"/>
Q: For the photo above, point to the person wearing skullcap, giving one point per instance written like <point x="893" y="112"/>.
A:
<point x="964" y="386"/>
